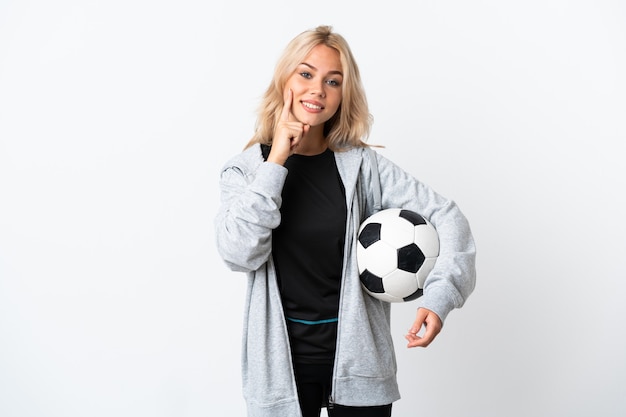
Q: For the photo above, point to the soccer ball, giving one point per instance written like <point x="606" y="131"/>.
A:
<point x="396" y="251"/>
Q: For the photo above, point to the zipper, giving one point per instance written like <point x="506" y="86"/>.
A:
<point x="349" y="227"/>
<point x="352" y="225"/>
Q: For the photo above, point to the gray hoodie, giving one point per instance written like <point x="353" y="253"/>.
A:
<point x="365" y="365"/>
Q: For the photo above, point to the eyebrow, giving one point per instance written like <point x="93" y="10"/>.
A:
<point x="330" y="72"/>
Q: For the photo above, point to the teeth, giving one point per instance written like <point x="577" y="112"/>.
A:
<point x="311" y="106"/>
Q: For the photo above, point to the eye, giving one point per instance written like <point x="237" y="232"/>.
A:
<point x="306" y="74"/>
<point x="333" y="83"/>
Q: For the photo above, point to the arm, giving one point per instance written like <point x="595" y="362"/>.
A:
<point x="453" y="278"/>
<point x="251" y="201"/>
<point x="249" y="211"/>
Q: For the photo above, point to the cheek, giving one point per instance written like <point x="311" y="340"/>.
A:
<point x="336" y="102"/>
<point x="294" y="83"/>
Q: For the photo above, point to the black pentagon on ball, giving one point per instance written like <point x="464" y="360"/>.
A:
<point x="370" y="234"/>
<point x="412" y="216"/>
<point x="410" y="258"/>
<point x="372" y="282"/>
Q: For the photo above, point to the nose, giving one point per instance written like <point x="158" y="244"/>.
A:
<point x="319" y="90"/>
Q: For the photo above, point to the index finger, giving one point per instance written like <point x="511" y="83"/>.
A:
<point x="287" y="106"/>
<point x="420" y="320"/>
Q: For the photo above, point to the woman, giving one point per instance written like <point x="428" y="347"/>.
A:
<point x="291" y="204"/>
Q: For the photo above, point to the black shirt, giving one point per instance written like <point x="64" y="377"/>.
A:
<point x="308" y="248"/>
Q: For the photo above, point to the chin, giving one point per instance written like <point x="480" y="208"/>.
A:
<point x="312" y="121"/>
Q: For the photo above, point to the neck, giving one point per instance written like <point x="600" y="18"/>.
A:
<point x="313" y="143"/>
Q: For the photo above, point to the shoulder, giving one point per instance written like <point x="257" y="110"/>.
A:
<point x="367" y="159"/>
<point x="247" y="160"/>
<point x="249" y="166"/>
<point x="351" y="154"/>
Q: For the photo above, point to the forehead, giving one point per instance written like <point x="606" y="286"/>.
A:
<point x="324" y="58"/>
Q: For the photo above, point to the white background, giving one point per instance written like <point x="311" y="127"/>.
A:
<point x="115" y="117"/>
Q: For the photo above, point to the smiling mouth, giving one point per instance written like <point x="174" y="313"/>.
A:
<point x="311" y="106"/>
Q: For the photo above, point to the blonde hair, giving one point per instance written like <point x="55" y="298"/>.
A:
<point x="350" y="125"/>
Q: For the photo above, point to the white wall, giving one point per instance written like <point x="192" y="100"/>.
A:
<point x="115" y="117"/>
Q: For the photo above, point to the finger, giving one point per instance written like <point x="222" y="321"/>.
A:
<point x="413" y="341"/>
<point x="417" y="341"/>
<point x="412" y="336"/>
<point x="287" y="106"/>
<point x="431" y="322"/>
<point x="419" y="321"/>
<point x="429" y="335"/>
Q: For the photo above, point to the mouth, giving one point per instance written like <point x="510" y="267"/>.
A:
<point x="312" y="106"/>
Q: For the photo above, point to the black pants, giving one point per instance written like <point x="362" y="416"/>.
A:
<point x="314" y="385"/>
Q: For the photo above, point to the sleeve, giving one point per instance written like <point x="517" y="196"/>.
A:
<point x="249" y="211"/>
<point x="453" y="278"/>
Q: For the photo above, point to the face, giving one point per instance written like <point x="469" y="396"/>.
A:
<point x="316" y="85"/>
